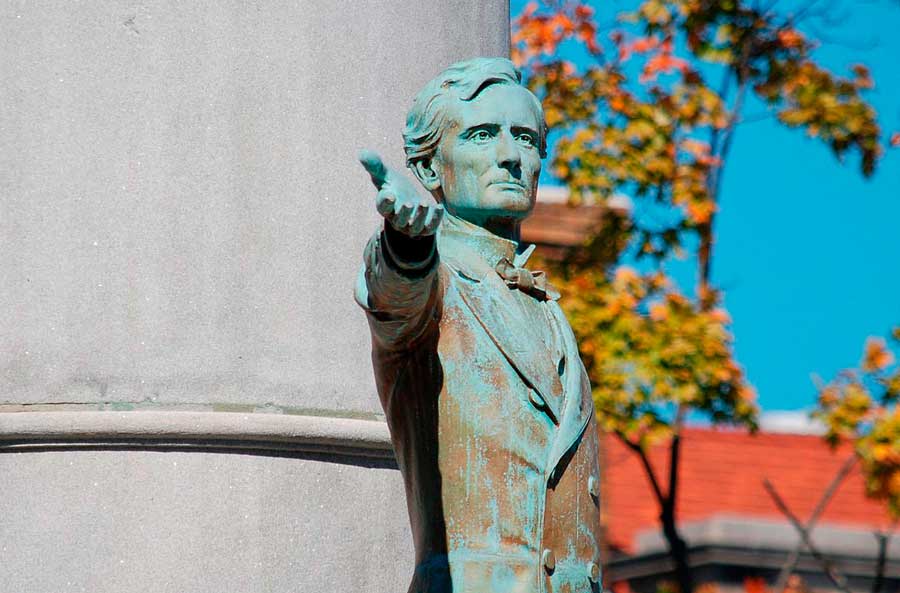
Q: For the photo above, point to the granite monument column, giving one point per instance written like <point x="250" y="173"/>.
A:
<point x="186" y="396"/>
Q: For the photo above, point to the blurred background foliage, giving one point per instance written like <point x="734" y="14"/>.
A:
<point x="860" y="406"/>
<point x="652" y="112"/>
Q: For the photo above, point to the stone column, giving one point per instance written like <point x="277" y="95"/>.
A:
<point x="186" y="395"/>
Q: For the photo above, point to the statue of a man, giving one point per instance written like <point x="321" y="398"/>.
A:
<point x="488" y="403"/>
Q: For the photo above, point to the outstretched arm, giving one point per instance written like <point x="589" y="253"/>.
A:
<point x="398" y="283"/>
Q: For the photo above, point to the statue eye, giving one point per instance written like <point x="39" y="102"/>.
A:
<point x="527" y="139"/>
<point x="480" y="136"/>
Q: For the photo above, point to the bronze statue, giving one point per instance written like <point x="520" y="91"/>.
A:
<point x="488" y="403"/>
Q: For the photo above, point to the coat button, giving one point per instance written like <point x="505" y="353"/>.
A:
<point x="548" y="559"/>
<point x="593" y="572"/>
<point x="594" y="486"/>
<point x="536" y="399"/>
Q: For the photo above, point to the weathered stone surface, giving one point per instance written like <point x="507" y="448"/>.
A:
<point x="174" y="522"/>
<point x="182" y="213"/>
<point x="182" y="210"/>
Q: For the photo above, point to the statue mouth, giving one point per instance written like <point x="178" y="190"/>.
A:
<point x="509" y="185"/>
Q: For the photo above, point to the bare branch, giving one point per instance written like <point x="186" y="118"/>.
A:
<point x="791" y="563"/>
<point x="830" y="571"/>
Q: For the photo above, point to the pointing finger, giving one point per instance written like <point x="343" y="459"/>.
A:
<point x="376" y="169"/>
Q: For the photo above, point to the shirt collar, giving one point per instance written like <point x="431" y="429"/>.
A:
<point x="492" y="248"/>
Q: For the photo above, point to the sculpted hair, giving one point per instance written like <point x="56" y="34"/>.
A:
<point x="428" y="118"/>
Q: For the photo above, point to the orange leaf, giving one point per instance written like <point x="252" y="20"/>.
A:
<point x="863" y="76"/>
<point x="562" y="21"/>
<point x="586" y="33"/>
<point x="583" y="12"/>
<point x="626" y="274"/>
<point x="644" y="44"/>
<point x="696" y="148"/>
<point x="662" y="63"/>
<point x="895" y="139"/>
<point x="720" y="315"/>
<point x="876" y="357"/>
<point x="860" y="70"/>
<point x="790" y="38"/>
<point x="658" y="311"/>
<point x="893" y="483"/>
<point x="700" y="212"/>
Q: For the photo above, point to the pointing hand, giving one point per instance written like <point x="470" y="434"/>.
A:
<point x="399" y="202"/>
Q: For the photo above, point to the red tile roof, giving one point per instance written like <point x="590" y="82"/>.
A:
<point x="722" y="473"/>
<point x="560" y="225"/>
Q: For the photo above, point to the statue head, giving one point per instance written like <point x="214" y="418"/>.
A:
<point x="475" y="137"/>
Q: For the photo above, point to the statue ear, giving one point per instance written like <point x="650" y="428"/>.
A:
<point x="428" y="172"/>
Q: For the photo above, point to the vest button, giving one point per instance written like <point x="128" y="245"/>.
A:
<point x="548" y="559"/>
<point x="535" y="398"/>
<point x="594" y="486"/>
<point x="593" y="572"/>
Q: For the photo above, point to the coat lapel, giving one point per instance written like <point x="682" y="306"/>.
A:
<point x="493" y="305"/>
<point x="578" y="406"/>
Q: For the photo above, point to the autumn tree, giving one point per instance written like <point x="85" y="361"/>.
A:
<point x="860" y="406"/>
<point x="651" y="111"/>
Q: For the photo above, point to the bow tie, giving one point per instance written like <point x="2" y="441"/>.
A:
<point x="531" y="283"/>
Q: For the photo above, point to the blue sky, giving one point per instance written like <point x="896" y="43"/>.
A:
<point x="808" y="252"/>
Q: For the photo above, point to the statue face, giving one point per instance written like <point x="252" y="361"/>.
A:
<point x="488" y="160"/>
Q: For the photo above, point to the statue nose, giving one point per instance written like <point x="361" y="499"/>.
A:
<point x="508" y="155"/>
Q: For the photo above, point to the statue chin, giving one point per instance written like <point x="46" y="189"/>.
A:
<point x="505" y="212"/>
<point x="509" y="202"/>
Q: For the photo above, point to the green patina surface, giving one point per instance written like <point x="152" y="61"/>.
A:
<point x="477" y="369"/>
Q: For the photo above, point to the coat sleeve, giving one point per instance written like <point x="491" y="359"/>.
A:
<point x="401" y="296"/>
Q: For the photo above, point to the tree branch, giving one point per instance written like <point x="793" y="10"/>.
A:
<point x="704" y="253"/>
<point x="883" y="538"/>
<point x="648" y="468"/>
<point x="723" y="93"/>
<point x="791" y="563"/>
<point x="674" y="458"/>
<point x="830" y="571"/>
<point x="728" y="138"/>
